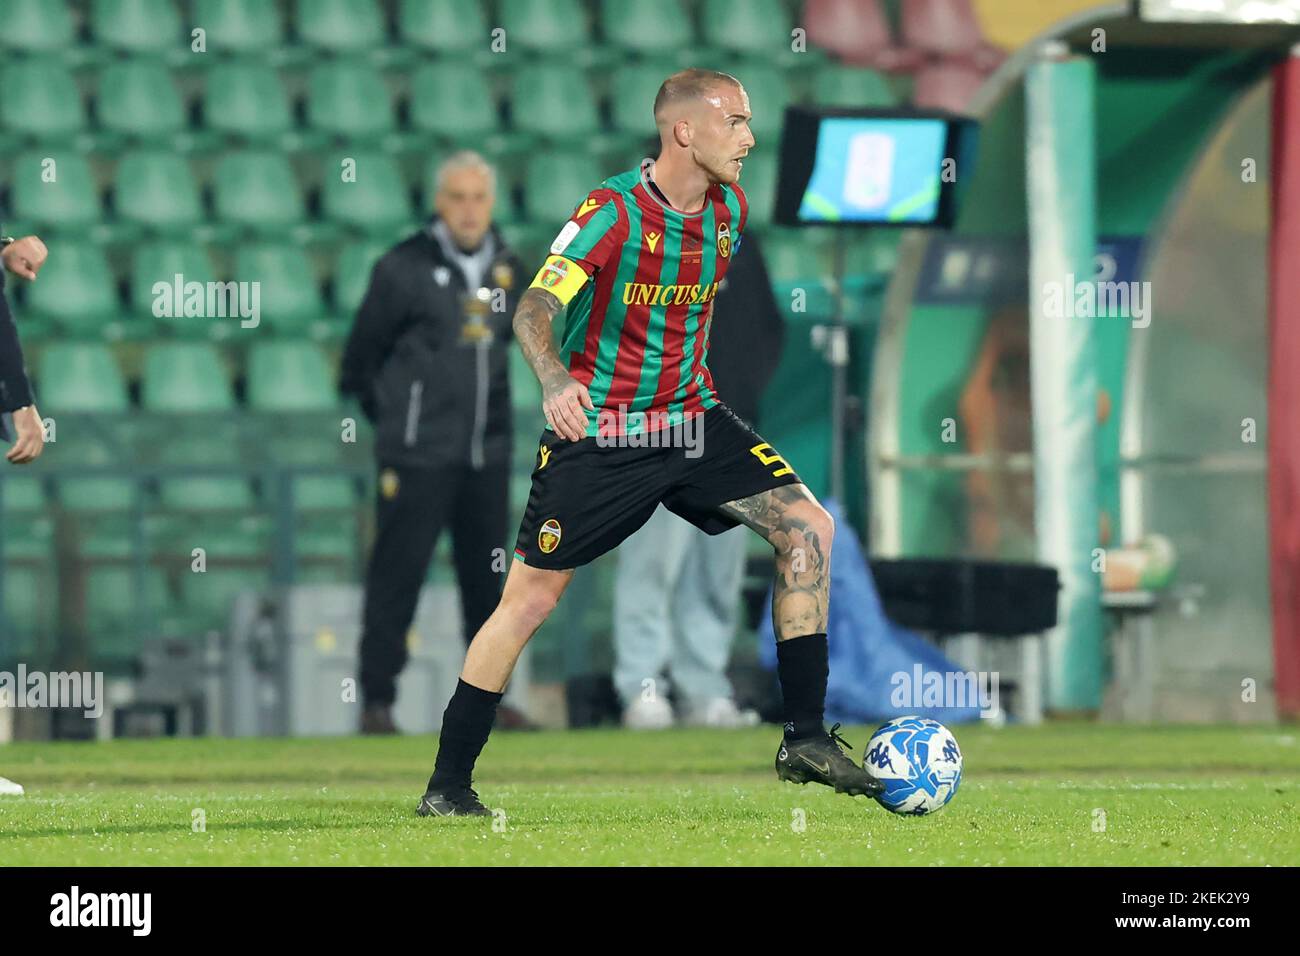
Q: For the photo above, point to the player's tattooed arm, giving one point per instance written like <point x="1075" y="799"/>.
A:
<point x="532" y="324"/>
<point x="563" y="397"/>
<point x="789" y="518"/>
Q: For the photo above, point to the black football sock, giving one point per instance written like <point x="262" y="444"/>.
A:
<point x="466" y="723"/>
<point x="801" y="666"/>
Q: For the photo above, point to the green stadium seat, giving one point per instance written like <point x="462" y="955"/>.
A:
<point x="23" y="493"/>
<point x="246" y="99"/>
<point x="138" y="26"/>
<point x="36" y="26"/>
<point x="758" y="27"/>
<point x="554" y="28"/>
<point x="157" y="190"/>
<point x="240" y="26"/>
<point x="207" y="598"/>
<point x="76" y="290"/>
<point x="59" y="193"/>
<point x="258" y="191"/>
<point x="847" y="86"/>
<point x="446" y="27"/>
<point x="290" y="295"/>
<point x="40" y="100"/>
<point x="91" y="492"/>
<point x="352" y="274"/>
<point x="27" y="537"/>
<point x="29" y="614"/>
<point x="118" y="611"/>
<point x="199" y="493"/>
<point x="554" y="100"/>
<point x="185" y="377"/>
<point x="289" y="376"/>
<point x="161" y="261"/>
<point x="453" y="101"/>
<point x="224" y="536"/>
<point x="138" y="98"/>
<point x="662" y="27"/>
<point x="796" y="261"/>
<point x="340" y="26"/>
<point x="325" y="537"/>
<point x="376" y="201"/>
<point x="769" y="94"/>
<point x="530" y="241"/>
<point x="632" y="97"/>
<point x="349" y="99"/>
<point x="758" y="180"/>
<point x="311" y="444"/>
<point x="557" y="27"/>
<point x="556" y="183"/>
<point x="81" y="377"/>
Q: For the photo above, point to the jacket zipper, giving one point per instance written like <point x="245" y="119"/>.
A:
<point x="413" y="413"/>
<point x="480" y="407"/>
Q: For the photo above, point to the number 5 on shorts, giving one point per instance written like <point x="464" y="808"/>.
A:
<point x="766" y="459"/>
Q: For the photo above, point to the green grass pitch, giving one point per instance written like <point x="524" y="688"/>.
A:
<point x="1080" y="794"/>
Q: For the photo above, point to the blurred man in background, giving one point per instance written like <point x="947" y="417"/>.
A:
<point x="678" y="589"/>
<point x="427" y="360"/>
<point x="24" y="258"/>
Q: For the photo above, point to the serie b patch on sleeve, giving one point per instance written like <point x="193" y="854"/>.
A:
<point x="565" y="237"/>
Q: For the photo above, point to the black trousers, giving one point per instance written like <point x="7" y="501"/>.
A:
<point x="414" y="504"/>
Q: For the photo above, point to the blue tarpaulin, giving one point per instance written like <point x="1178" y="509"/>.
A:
<point x="873" y="661"/>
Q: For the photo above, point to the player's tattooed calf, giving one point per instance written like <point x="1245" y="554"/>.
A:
<point x="802" y="589"/>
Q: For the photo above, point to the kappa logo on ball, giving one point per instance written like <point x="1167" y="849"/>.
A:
<point x="548" y="539"/>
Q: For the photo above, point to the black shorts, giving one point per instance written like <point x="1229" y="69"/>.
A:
<point x="587" y="498"/>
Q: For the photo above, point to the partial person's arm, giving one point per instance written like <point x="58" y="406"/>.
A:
<point x="563" y="397"/>
<point x="580" y="250"/>
<point x="23" y="258"/>
<point x="768" y="323"/>
<point x="375" y="331"/>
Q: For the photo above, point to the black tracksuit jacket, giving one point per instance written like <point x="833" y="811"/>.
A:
<point x="434" y="398"/>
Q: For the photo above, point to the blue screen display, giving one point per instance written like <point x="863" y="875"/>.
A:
<point x="875" y="170"/>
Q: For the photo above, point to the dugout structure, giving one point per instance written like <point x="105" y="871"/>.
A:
<point x="1160" y="159"/>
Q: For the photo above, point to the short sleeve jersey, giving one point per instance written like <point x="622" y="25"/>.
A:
<point x="639" y="278"/>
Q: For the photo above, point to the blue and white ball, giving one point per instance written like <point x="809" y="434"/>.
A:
<point x="918" y="761"/>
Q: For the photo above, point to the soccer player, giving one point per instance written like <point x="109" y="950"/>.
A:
<point x="633" y="421"/>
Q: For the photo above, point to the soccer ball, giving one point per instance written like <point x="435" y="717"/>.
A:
<point x="918" y="761"/>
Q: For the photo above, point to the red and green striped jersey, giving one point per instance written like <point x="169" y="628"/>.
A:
<point x="637" y="333"/>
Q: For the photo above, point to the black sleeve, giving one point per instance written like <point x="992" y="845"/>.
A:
<point x="15" y="391"/>
<point x="380" y="320"/>
<point x="766" y="322"/>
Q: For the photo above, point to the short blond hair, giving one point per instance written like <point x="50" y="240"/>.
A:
<point x="690" y="84"/>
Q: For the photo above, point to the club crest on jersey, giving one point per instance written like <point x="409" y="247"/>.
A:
<point x="652" y="240"/>
<point x="548" y="538"/>
<point x="724" y="240"/>
<point x="587" y="206"/>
